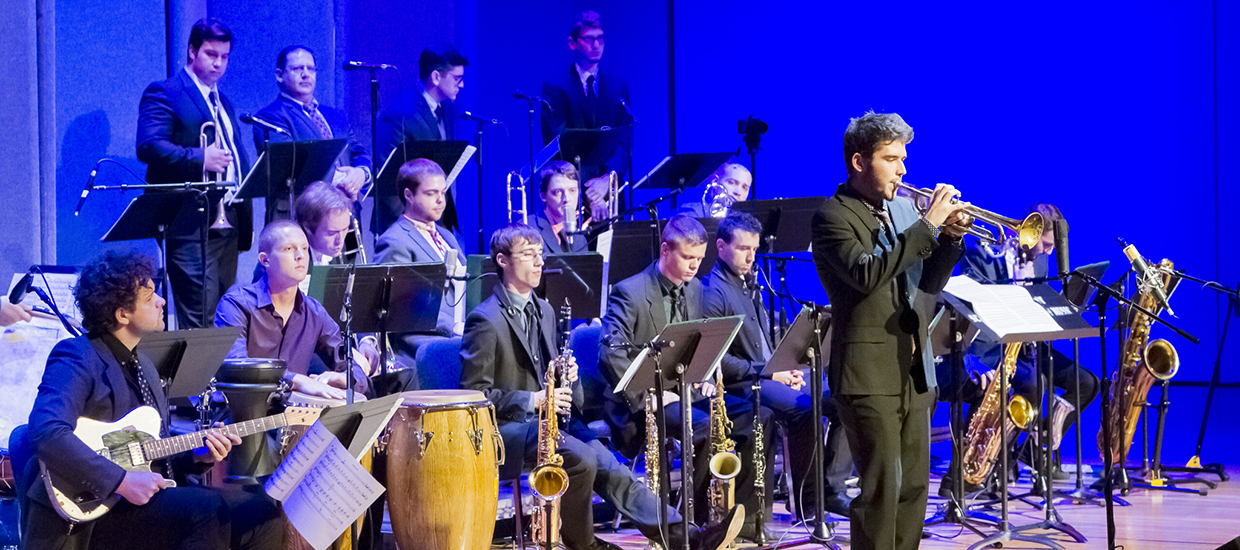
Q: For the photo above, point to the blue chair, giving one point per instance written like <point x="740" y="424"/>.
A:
<point x="585" y="341"/>
<point x="25" y="471"/>
<point x="439" y="364"/>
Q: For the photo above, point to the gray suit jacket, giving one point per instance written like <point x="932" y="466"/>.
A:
<point x="403" y="244"/>
<point x="873" y="286"/>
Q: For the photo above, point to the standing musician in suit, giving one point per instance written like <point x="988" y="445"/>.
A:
<point x="102" y="376"/>
<point x="875" y="256"/>
<point x="416" y="237"/>
<point x="638" y="309"/>
<point x="584" y="96"/>
<point x="558" y="186"/>
<point x="297" y="111"/>
<point x="508" y="345"/>
<point x="736" y="181"/>
<point x="170" y="117"/>
<point x="427" y="114"/>
<point x="731" y="289"/>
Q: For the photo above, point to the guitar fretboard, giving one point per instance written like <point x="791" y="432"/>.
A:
<point x="156" y="449"/>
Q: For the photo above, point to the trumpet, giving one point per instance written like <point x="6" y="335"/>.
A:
<point x="1028" y="232"/>
<point x="524" y="211"/>
<point x="221" y="221"/>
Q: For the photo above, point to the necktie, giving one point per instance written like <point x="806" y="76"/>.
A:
<point x="443" y="132"/>
<point x="222" y="132"/>
<point x="763" y="325"/>
<point x="441" y="246"/>
<point x="531" y="333"/>
<point x="678" y="305"/>
<point x="325" y="130"/>
<point x="592" y="100"/>
<point x="148" y="399"/>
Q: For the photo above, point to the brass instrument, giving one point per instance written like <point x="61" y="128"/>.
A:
<point x="1140" y="365"/>
<point x="221" y="221"/>
<point x="354" y="235"/>
<point x="1029" y="231"/>
<point x="716" y="201"/>
<point x="613" y="194"/>
<point x="724" y="464"/>
<point x="549" y="480"/>
<point x="982" y="442"/>
<point x="520" y="186"/>
<point x="652" y="454"/>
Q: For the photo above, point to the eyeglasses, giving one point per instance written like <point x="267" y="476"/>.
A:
<point x="527" y="255"/>
<point x="305" y="69"/>
<point x="591" y="39"/>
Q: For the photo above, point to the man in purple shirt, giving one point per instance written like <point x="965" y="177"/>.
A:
<point x="277" y="320"/>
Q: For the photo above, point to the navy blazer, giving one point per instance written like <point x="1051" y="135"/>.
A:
<point x="289" y="114"/>
<point x="83" y="379"/>
<point x="415" y="122"/>
<point x="724" y="296"/>
<point x="567" y="97"/>
<point x="170" y="117"/>
<point x="875" y="290"/>
<point x="551" y="242"/>
<point x="402" y="243"/>
<point x="506" y="372"/>
<point x="982" y="267"/>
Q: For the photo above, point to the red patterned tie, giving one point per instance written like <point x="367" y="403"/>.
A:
<point x="312" y="111"/>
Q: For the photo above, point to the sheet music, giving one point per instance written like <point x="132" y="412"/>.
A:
<point x="61" y="291"/>
<point x="323" y="487"/>
<point x="635" y="366"/>
<point x="1006" y="309"/>
<point x="604" y="249"/>
<point x="460" y="163"/>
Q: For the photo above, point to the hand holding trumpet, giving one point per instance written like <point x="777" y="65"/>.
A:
<point x="216" y="158"/>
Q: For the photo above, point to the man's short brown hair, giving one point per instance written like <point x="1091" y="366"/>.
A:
<point x="414" y="173"/>
<point x="506" y="238"/>
<point x="684" y="230"/>
<point x="318" y="201"/>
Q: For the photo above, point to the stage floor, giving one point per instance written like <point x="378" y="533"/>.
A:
<point x="1155" y="520"/>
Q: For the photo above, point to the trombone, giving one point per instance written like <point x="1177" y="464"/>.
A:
<point x="524" y="211"/>
<point x="221" y="221"/>
<point x="1028" y="231"/>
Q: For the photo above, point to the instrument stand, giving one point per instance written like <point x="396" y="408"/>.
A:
<point x="1082" y="494"/>
<point x="953" y="511"/>
<point x="478" y="161"/>
<point x="1151" y="477"/>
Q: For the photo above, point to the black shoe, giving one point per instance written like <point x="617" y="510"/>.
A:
<point x="749" y="533"/>
<point x="945" y="488"/>
<point x="600" y="544"/>
<point x="718" y="536"/>
<point x="839" y="504"/>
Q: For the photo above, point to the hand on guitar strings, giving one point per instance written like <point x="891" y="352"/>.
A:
<point x="216" y="445"/>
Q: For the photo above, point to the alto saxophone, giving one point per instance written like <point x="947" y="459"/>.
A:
<point x="982" y="441"/>
<point x="1139" y="366"/>
<point x="549" y="480"/>
<point x="652" y="455"/>
<point x="724" y="462"/>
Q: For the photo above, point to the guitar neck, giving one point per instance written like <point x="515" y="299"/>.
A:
<point x="156" y="449"/>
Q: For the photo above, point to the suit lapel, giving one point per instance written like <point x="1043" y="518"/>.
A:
<point x="195" y="96"/>
<point x="121" y="404"/>
<point x="863" y="214"/>
<point x="654" y="300"/>
<point x="418" y="240"/>
<point x="510" y="314"/>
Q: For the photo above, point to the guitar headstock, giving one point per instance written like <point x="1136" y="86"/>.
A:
<point x="302" y="416"/>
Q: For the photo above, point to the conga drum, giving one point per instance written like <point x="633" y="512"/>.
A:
<point x="292" y="539"/>
<point x="443" y="456"/>
<point x="249" y="384"/>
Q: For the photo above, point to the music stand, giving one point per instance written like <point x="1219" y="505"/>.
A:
<point x="148" y="216"/>
<point x="588" y="148"/>
<point x="575" y="277"/>
<point x="635" y="237"/>
<point x="992" y="313"/>
<point x="682" y="354"/>
<point x="387" y="298"/>
<point x="189" y="358"/>
<point x="299" y="163"/>
<point x="783" y="222"/>
<point x="358" y="426"/>
<point x="682" y="171"/>
<point x="451" y="156"/>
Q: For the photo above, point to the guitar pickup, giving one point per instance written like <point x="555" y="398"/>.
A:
<point x="136" y="457"/>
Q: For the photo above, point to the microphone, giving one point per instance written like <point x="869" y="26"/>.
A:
<point x="570" y="225"/>
<point x="251" y="119"/>
<point x="470" y="116"/>
<point x="519" y="95"/>
<point x="358" y="65"/>
<point x="1149" y="274"/>
<point x="22" y="288"/>
<point x="90" y="182"/>
<point x="348" y="293"/>
<point x="629" y="110"/>
<point x="1061" y="246"/>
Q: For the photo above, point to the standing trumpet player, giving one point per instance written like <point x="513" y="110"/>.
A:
<point x="506" y="351"/>
<point x="174" y="117"/>
<point x="876" y="256"/>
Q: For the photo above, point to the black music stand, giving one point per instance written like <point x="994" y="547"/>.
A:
<point x="682" y="354"/>
<point x="288" y="167"/>
<point x="189" y="358"/>
<point x="1069" y="325"/>
<point x="804" y="343"/>
<point x="634" y="240"/>
<point x="682" y="171"/>
<point x="387" y="298"/>
<point x="590" y="149"/>
<point x="148" y="216"/>
<point x="451" y="156"/>
<point x="575" y="277"/>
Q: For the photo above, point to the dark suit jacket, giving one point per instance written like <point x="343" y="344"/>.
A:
<point x="506" y="372"/>
<point x="403" y="243"/>
<point x="290" y="115"/>
<point x="552" y="244"/>
<point x="568" y="101"/>
<point x="82" y="379"/>
<point x="415" y="123"/>
<point x="170" y="117"/>
<point x="878" y="332"/>
<point x="724" y="296"/>
<point x="982" y="267"/>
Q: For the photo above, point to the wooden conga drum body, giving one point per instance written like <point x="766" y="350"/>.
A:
<point x="292" y="539"/>
<point x="443" y="455"/>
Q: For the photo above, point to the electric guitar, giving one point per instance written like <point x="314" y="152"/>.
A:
<point x="133" y="443"/>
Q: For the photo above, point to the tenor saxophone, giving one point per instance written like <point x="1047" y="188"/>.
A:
<point x="724" y="463"/>
<point x="549" y="480"/>
<point x="652" y="455"/>
<point x="982" y="441"/>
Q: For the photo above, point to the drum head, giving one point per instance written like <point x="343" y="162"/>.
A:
<point x="251" y="371"/>
<point x="442" y="397"/>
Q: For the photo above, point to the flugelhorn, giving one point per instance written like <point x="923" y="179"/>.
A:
<point x="524" y="210"/>
<point x="1028" y="231"/>
<point x="221" y="221"/>
<point x="716" y="201"/>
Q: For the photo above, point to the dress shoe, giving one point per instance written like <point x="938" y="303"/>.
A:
<point x="600" y="544"/>
<point x="838" y="504"/>
<point x="749" y="533"/>
<point x="718" y="536"/>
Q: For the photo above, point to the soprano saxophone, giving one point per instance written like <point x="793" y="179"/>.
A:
<point x="724" y="462"/>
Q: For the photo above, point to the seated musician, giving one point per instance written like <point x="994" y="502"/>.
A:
<point x="509" y="344"/>
<point x="736" y="181"/>
<point x="728" y="291"/>
<point x="102" y="376"/>
<point x="417" y="237"/>
<point x="1006" y="265"/>
<point x="638" y="308"/>
<point x="277" y="320"/>
<point x="323" y="212"/>
<point x="558" y="186"/>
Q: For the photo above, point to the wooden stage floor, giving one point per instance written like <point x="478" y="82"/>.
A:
<point x="1155" y="520"/>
